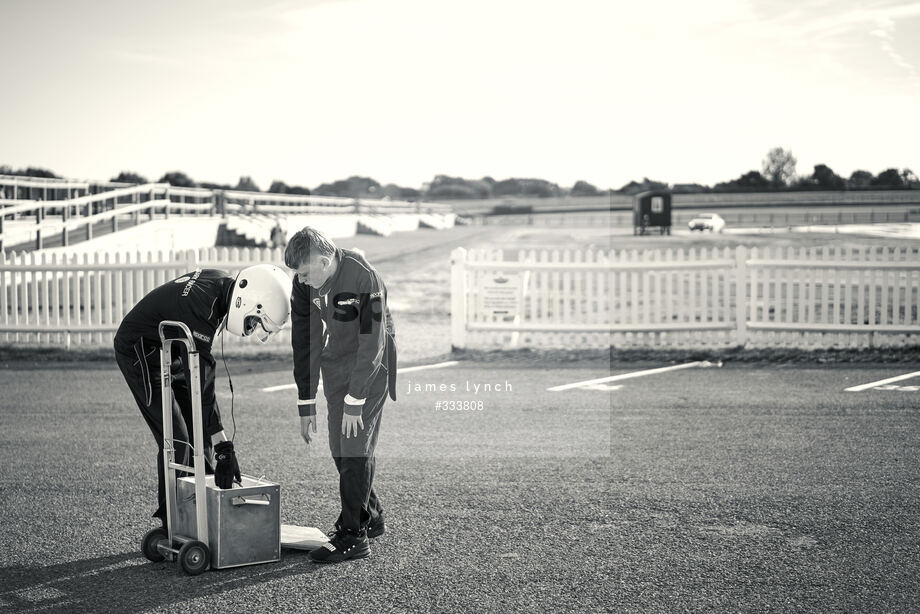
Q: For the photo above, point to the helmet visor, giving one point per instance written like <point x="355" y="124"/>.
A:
<point x="261" y="327"/>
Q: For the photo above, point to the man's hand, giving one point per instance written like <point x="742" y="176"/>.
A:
<point x="227" y="468"/>
<point x="306" y="422"/>
<point x="352" y="421"/>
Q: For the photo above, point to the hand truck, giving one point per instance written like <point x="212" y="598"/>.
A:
<point x="158" y="544"/>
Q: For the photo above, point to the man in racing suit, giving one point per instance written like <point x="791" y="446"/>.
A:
<point x="342" y="328"/>
<point x="205" y="300"/>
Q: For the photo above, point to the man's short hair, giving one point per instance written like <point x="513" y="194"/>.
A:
<point x="306" y="243"/>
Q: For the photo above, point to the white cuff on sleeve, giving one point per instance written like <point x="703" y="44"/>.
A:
<point x="306" y="401"/>
<point x="353" y="401"/>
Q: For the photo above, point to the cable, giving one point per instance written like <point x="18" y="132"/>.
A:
<point x="230" y="379"/>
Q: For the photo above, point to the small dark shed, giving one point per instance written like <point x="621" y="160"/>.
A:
<point x="651" y="209"/>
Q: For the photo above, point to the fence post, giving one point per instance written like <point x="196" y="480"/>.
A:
<point x="65" y="236"/>
<point x="741" y="295"/>
<point x="458" y="298"/>
<point x="4" y="312"/>
<point x="191" y="257"/>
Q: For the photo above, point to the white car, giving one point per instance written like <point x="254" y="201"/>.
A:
<point x="712" y="222"/>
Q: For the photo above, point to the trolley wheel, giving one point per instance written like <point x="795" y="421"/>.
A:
<point x="194" y="557"/>
<point x="150" y="541"/>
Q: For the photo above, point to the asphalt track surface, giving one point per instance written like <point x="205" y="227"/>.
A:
<point x="750" y="488"/>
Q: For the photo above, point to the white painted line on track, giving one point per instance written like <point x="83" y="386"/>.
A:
<point x="882" y="382"/>
<point x="615" y="378"/>
<point x="437" y="365"/>
<point x="285" y="387"/>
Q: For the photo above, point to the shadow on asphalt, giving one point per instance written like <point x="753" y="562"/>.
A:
<point x="129" y="583"/>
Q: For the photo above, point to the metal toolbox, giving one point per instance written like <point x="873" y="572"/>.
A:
<point x="244" y="524"/>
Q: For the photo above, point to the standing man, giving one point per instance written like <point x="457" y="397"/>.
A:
<point x="342" y="328"/>
<point x="256" y="302"/>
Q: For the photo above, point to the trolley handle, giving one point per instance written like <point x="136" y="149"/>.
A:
<point x="189" y="340"/>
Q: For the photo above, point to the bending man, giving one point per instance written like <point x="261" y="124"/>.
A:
<point x="256" y="302"/>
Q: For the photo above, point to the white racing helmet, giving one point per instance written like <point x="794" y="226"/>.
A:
<point x="260" y="303"/>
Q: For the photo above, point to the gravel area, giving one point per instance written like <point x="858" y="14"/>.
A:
<point x="703" y="489"/>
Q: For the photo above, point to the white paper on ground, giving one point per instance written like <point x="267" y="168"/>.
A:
<point x="302" y="538"/>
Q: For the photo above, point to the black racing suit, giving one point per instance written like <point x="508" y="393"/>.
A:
<point x="344" y="330"/>
<point x="200" y="300"/>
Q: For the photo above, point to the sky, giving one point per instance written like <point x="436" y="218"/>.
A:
<point x="312" y="91"/>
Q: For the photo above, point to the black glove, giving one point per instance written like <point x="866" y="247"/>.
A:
<point x="227" y="468"/>
<point x="177" y="368"/>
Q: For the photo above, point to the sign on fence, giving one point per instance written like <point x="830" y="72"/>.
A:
<point x="501" y="296"/>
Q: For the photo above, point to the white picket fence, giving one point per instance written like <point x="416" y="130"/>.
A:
<point x="80" y="299"/>
<point x="709" y="297"/>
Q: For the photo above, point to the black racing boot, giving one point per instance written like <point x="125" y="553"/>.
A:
<point x="342" y="546"/>
<point x="334" y="531"/>
<point x="376" y="527"/>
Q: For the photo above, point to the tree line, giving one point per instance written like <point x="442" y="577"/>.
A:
<point x="777" y="173"/>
